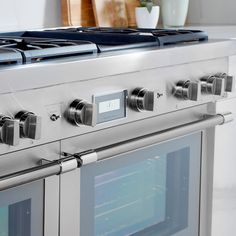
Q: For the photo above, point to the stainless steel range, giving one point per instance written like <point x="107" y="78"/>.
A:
<point x="109" y="132"/>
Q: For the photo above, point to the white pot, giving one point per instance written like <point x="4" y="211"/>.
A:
<point x="174" y="12"/>
<point x="146" y="19"/>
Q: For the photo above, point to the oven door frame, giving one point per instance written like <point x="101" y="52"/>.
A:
<point x="20" y="161"/>
<point x="70" y="193"/>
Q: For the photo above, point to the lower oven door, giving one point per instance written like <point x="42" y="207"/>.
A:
<point x="29" y="209"/>
<point x="151" y="191"/>
<point x="21" y="210"/>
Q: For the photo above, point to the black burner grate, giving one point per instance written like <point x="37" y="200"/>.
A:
<point x="38" y="49"/>
<point x="128" y="36"/>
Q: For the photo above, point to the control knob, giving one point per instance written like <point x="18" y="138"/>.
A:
<point x="142" y="100"/>
<point x="30" y="124"/>
<point x="187" y="90"/>
<point x="229" y="81"/>
<point x="212" y="85"/>
<point x="9" y="130"/>
<point x="81" y="112"/>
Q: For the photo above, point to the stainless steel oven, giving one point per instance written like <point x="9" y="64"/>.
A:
<point x="110" y="144"/>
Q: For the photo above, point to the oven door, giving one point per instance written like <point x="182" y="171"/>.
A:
<point x="153" y="191"/>
<point x="156" y="184"/>
<point x="21" y="210"/>
<point x="30" y="209"/>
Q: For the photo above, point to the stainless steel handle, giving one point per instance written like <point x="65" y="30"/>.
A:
<point x="151" y="139"/>
<point x="56" y="167"/>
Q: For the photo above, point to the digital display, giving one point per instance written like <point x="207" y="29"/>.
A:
<point x="111" y="106"/>
<point x="107" y="106"/>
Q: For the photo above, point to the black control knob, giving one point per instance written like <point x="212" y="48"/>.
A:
<point x="212" y="85"/>
<point x="30" y="124"/>
<point x="82" y="113"/>
<point x="229" y="81"/>
<point x="142" y="100"/>
<point x="187" y="90"/>
<point x="9" y="131"/>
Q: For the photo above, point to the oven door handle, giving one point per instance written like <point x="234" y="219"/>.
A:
<point x="72" y="162"/>
<point x="106" y="152"/>
<point x="51" y="168"/>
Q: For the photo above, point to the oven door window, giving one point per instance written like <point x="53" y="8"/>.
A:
<point x="149" y="192"/>
<point x="21" y="210"/>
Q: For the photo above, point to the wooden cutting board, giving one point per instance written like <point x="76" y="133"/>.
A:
<point x="130" y="8"/>
<point x="77" y="13"/>
<point x="110" y="13"/>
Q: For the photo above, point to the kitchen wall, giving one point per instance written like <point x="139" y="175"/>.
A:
<point x="28" y="14"/>
<point x="217" y="12"/>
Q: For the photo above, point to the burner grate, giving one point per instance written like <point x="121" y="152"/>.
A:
<point x="35" y="49"/>
<point x="124" y="36"/>
<point x="10" y="56"/>
<point x="110" y="39"/>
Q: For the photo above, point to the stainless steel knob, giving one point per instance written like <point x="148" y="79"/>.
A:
<point x="9" y="131"/>
<point x="30" y="124"/>
<point x="142" y="100"/>
<point x="81" y="112"/>
<point x="187" y="90"/>
<point x="212" y="85"/>
<point x="229" y="81"/>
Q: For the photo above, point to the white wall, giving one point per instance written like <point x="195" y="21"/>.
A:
<point x="29" y="14"/>
<point x="212" y="12"/>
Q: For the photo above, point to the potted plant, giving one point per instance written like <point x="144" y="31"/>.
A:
<point x="147" y="14"/>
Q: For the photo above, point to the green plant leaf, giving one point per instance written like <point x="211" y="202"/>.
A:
<point x="149" y="6"/>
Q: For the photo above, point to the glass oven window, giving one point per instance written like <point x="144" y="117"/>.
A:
<point x="21" y="210"/>
<point x="16" y="219"/>
<point x="149" y="192"/>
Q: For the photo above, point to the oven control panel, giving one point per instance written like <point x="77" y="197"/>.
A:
<point x="80" y="107"/>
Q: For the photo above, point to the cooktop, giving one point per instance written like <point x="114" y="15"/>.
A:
<point x="38" y="45"/>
